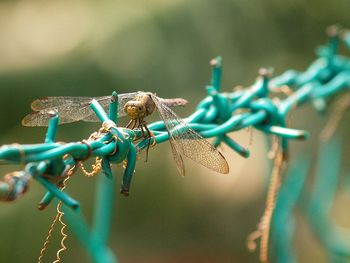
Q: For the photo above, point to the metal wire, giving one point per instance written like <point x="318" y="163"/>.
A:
<point x="341" y="106"/>
<point x="217" y="115"/>
<point x="263" y="230"/>
<point x="58" y="217"/>
<point x="96" y="168"/>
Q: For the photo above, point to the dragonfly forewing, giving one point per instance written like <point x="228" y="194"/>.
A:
<point x="54" y="102"/>
<point x="67" y="114"/>
<point x="71" y="109"/>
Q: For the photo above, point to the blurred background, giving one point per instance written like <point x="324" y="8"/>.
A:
<point x="90" y="48"/>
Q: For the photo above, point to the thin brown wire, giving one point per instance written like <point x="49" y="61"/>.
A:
<point x="96" y="168"/>
<point x="263" y="231"/>
<point x="47" y="240"/>
<point x="58" y="217"/>
<point x="270" y="206"/>
<point x="335" y="117"/>
<point x="60" y="214"/>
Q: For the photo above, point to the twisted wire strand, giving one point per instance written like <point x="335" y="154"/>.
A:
<point x="58" y="217"/>
<point x="96" y="168"/>
<point x="270" y="206"/>
<point x="47" y="240"/>
<point x="263" y="231"/>
<point x="64" y="235"/>
<point x="300" y="81"/>
<point x="264" y="225"/>
<point x="10" y="182"/>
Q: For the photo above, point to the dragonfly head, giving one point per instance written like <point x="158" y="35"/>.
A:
<point x="135" y="109"/>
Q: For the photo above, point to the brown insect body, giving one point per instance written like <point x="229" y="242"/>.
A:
<point x="140" y="107"/>
<point x="137" y="109"/>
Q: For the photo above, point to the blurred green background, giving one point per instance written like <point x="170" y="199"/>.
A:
<point x="90" y="48"/>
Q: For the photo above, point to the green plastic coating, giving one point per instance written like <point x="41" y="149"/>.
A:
<point x="216" y="116"/>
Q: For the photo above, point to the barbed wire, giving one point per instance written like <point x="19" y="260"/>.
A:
<point x="260" y="106"/>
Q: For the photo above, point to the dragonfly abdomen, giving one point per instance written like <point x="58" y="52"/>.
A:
<point x="174" y="102"/>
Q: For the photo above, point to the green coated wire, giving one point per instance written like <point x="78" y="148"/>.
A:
<point x="217" y="115"/>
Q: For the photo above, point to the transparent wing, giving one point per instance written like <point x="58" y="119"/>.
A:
<point x="54" y="102"/>
<point x="185" y="141"/>
<point x="71" y="109"/>
<point x="104" y="101"/>
<point x="67" y="114"/>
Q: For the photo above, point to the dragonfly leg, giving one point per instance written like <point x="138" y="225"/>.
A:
<point x="134" y="124"/>
<point x="144" y="124"/>
<point x="140" y="126"/>
<point x="149" y="135"/>
<point x="129" y="124"/>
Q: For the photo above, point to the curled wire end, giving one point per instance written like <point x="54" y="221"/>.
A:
<point x="42" y="206"/>
<point x="124" y="192"/>
<point x="13" y="185"/>
<point x="333" y="30"/>
<point x="215" y="62"/>
<point x="251" y="240"/>
<point x="265" y="72"/>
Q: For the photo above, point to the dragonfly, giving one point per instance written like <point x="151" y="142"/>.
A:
<point x="184" y="140"/>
